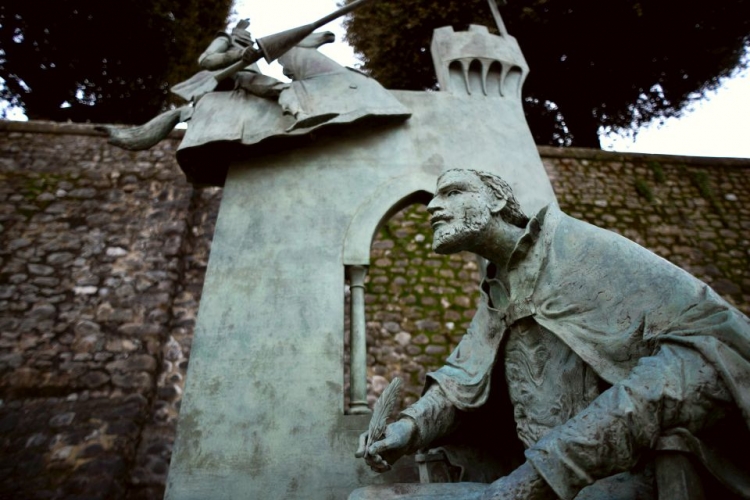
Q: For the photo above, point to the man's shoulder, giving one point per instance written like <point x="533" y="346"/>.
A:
<point x="566" y="228"/>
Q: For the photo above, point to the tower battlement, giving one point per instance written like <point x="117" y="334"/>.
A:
<point x="475" y="62"/>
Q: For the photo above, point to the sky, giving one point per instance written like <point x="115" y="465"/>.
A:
<point x="716" y="126"/>
<point x="266" y="18"/>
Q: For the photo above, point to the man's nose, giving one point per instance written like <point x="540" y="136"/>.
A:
<point x="433" y="206"/>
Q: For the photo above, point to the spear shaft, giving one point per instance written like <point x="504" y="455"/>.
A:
<point x="496" y="14"/>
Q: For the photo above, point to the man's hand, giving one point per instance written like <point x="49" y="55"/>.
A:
<point x="523" y="483"/>
<point x="381" y="454"/>
<point x="250" y="54"/>
<point x="242" y="37"/>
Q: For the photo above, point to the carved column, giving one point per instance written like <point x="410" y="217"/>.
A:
<point x="358" y="367"/>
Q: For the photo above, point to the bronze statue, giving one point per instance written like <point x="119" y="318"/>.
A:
<point x="229" y="63"/>
<point x="229" y="58"/>
<point x="622" y="371"/>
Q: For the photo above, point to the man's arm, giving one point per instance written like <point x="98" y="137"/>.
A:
<point x="675" y="388"/>
<point x="219" y="54"/>
<point x="434" y="416"/>
<point x="467" y="373"/>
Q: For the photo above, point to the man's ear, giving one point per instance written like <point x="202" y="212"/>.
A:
<point x="497" y="205"/>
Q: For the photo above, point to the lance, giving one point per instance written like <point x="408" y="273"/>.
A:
<point x="271" y="48"/>
<point x="496" y="14"/>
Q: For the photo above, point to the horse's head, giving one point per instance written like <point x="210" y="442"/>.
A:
<point x="315" y="40"/>
<point x="304" y="60"/>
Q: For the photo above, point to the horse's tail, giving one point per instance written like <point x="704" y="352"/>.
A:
<point x="144" y="136"/>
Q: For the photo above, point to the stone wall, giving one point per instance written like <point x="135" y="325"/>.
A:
<point x="102" y="258"/>
<point x="694" y="212"/>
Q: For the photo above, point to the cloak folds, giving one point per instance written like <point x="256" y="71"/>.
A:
<point x="610" y="300"/>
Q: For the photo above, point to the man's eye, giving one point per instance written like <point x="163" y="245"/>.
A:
<point x="453" y="192"/>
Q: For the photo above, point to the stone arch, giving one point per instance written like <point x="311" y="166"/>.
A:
<point x="494" y="79"/>
<point x="513" y="82"/>
<point x="388" y="199"/>
<point x="417" y="304"/>
<point x="457" y="74"/>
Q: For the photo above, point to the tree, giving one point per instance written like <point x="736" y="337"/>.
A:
<point x="101" y="61"/>
<point x="594" y="64"/>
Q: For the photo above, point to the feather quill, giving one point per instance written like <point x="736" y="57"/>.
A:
<point x="382" y="410"/>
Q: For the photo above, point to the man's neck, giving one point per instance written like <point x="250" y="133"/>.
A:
<point x="500" y="241"/>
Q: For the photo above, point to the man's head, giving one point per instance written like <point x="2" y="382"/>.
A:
<point x="465" y="203"/>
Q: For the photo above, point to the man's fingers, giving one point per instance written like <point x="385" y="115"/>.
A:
<point x="377" y="463"/>
<point x="362" y="445"/>
<point x="378" y="446"/>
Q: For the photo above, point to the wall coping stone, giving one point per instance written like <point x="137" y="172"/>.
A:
<point x="64" y="128"/>
<point x="597" y="154"/>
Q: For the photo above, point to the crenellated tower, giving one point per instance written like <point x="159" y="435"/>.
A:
<point x="476" y="62"/>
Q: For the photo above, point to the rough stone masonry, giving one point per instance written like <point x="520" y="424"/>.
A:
<point x="102" y="257"/>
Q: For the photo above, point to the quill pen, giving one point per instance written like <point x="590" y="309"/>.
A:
<point x="382" y="410"/>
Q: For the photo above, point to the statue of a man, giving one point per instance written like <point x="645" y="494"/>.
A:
<point x="227" y="49"/>
<point x="618" y="365"/>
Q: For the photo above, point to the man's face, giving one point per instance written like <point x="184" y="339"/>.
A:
<point x="460" y="212"/>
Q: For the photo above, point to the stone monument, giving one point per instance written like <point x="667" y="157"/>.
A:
<point x="263" y="414"/>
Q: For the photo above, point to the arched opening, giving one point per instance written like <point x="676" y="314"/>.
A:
<point x="494" y="79"/>
<point x="476" y="75"/>
<point x="417" y="304"/>
<point x="367" y="221"/>
<point x="513" y="82"/>
<point x="458" y="77"/>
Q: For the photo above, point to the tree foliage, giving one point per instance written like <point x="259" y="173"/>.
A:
<point x="101" y="61"/>
<point x="617" y="64"/>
